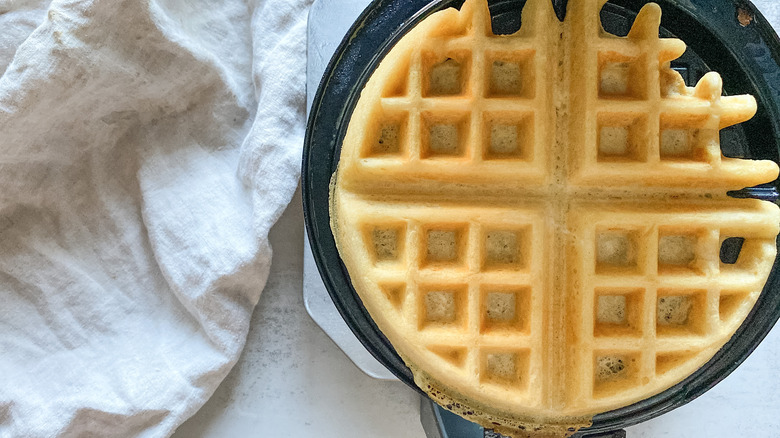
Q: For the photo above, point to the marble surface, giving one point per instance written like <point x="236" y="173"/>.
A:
<point x="292" y="380"/>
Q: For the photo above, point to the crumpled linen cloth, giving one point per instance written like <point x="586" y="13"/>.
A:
<point x="146" y="149"/>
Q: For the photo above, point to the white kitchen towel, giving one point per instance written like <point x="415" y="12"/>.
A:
<point x="146" y="149"/>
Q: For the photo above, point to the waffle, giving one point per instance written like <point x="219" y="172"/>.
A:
<point x="536" y="221"/>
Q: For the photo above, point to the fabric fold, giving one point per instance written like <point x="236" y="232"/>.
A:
<point x="146" y="149"/>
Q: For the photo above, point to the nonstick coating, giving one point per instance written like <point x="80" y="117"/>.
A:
<point x="747" y="58"/>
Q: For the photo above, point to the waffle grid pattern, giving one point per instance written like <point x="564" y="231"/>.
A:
<point x="480" y="105"/>
<point x="674" y="306"/>
<point x="551" y="298"/>
<point x="471" y="291"/>
<point x="644" y="118"/>
<point x="504" y="98"/>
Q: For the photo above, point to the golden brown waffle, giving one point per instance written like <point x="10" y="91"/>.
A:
<point x="535" y="220"/>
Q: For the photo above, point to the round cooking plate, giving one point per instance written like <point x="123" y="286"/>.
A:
<point x="747" y="57"/>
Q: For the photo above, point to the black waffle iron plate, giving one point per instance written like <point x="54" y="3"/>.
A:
<point x="727" y="36"/>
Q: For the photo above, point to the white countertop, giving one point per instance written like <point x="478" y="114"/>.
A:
<point x="292" y="380"/>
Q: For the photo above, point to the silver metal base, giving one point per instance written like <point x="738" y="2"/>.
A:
<point x="329" y="21"/>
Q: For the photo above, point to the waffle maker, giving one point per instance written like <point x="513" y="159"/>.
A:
<point x="728" y="36"/>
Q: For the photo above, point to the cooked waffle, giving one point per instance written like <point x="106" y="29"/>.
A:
<point x="535" y="221"/>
